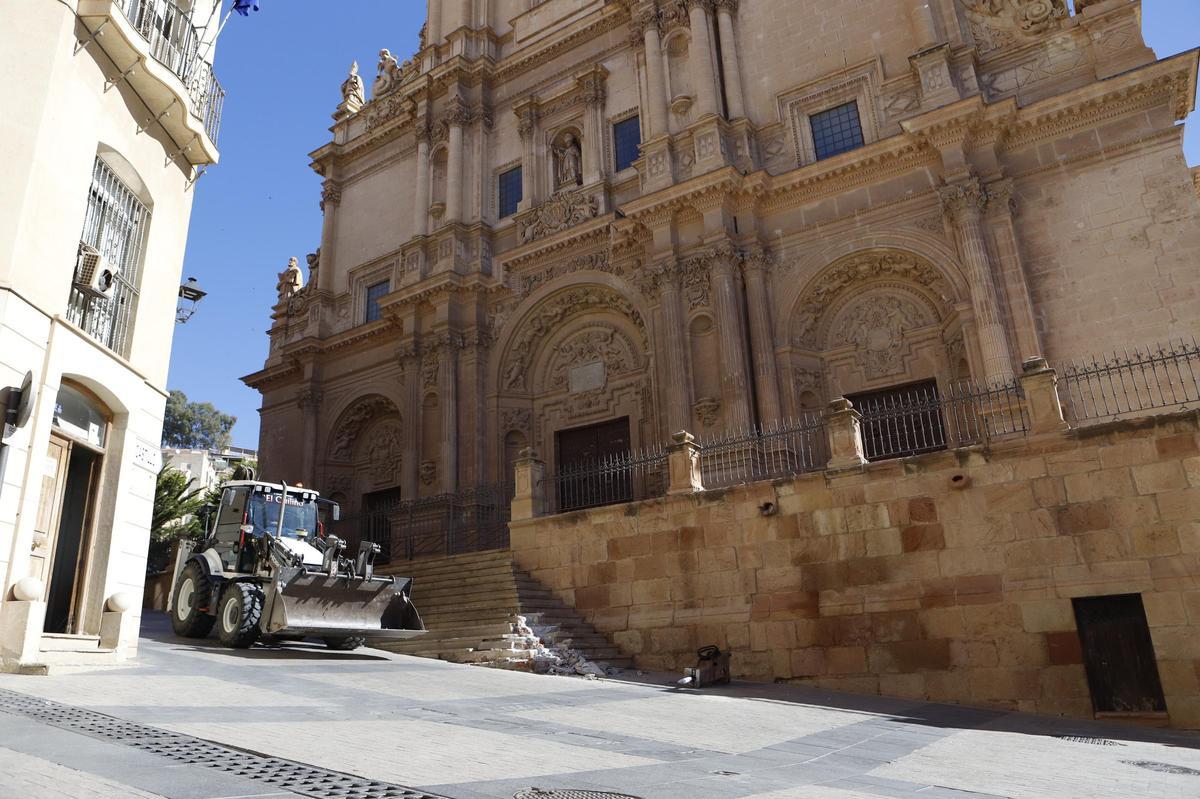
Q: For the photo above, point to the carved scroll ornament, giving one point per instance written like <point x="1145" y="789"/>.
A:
<point x="559" y="213"/>
<point x="1027" y="16"/>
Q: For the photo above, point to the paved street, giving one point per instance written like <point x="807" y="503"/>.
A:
<point x="466" y="732"/>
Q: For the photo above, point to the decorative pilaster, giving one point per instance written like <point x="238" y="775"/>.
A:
<point x="646" y="20"/>
<point x="1001" y="210"/>
<point x="592" y="92"/>
<point x="755" y="265"/>
<point x="331" y="197"/>
<point x="422" y="189"/>
<point x="964" y="203"/>
<point x="700" y="59"/>
<point x="735" y="387"/>
<point x="410" y="361"/>
<point x="527" y="127"/>
<point x="448" y="345"/>
<point x="457" y="117"/>
<point x="662" y="280"/>
<point x="309" y="403"/>
<point x="726" y="9"/>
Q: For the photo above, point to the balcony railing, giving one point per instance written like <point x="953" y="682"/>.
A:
<point x="1132" y="382"/>
<point x="176" y="44"/>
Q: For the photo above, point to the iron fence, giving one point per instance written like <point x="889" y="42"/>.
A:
<point x="610" y="480"/>
<point x="177" y="44"/>
<point x="1162" y="376"/>
<point x="470" y="520"/>
<point x="779" y="449"/>
<point x="905" y="422"/>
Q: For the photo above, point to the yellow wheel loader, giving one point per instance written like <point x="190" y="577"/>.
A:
<point x="267" y="570"/>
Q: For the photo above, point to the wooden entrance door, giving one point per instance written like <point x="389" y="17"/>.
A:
<point x="45" y="526"/>
<point x="578" y="449"/>
<point x="1118" y="654"/>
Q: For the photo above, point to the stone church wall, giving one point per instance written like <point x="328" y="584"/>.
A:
<point x="946" y="577"/>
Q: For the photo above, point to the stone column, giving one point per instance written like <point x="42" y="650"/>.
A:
<point x="1012" y="279"/>
<point x="529" y="492"/>
<point x="466" y="14"/>
<point x="924" y="28"/>
<point x="457" y="118"/>
<point x="527" y="128"/>
<point x="964" y="202"/>
<point x="683" y="464"/>
<point x="735" y="388"/>
<point x="844" y="425"/>
<point x="729" y="58"/>
<point x="593" y="93"/>
<point x="1039" y="383"/>
<point x="433" y="31"/>
<point x="700" y="59"/>
<point x="421" y="190"/>
<point x="331" y="197"/>
<point x="309" y="402"/>
<point x="656" y="123"/>
<point x="448" y="348"/>
<point x="410" y="459"/>
<point x="762" y="335"/>
<point x="665" y="277"/>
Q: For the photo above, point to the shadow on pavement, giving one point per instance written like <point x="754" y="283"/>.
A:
<point x="156" y="626"/>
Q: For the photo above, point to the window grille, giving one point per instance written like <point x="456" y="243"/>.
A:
<point x="837" y="130"/>
<point x="627" y="139"/>
<point x="510" y="191"/>
<point x="115" y="224"/>
<point x="375" y="293"/>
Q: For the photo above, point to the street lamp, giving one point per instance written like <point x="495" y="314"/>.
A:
<point x="190" y="293"/>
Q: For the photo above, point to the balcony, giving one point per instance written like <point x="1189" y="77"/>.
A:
<point x="158" y="49"/>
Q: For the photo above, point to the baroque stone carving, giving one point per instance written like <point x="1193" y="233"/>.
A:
<point x="861" y="268"/>
<point x="559" y="213"/>
<point x="389" y="74"/>
<point x="428" y="472"/>
<point x="597" y="262"/>
<point x="875" y="326"/>
<point x="1029" y="17"/>
<point x="291" y="281"/>
<point x="603" y="344"/>
<point x="353" y="421"/>
<point x="555" y="311"/>
<point x="429" y="369"/>
<point x="384" y="453"/>
<point x="568" y="161"/>
<point x="708" y="411"/>
<point x="516" y="419"/>
<point x="353" y="90"/>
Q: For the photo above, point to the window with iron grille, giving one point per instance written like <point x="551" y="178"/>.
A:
<point x="510" y="191"/>
<point x="115" y="225"/>
<point x="837" y="130"/>
<point x="901" y="421"/>
<point x="627" y="139"/>
<point x="375" y="293"/>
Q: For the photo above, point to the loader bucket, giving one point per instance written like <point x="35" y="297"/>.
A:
<point x="304" y="603"/>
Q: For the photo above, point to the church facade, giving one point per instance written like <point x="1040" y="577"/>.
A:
<point x="579" y="226"/>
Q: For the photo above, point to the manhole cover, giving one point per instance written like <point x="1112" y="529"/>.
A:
<point x="568" y="793"/>
<point x="1162" y="768"/>
<point x="1077" y="739"/>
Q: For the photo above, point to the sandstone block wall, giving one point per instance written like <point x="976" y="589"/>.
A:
<point x="901" y="579"/>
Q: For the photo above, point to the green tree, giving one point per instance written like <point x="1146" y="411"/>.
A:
<point x="176" y="514"/>
<point x="195" y="425"/>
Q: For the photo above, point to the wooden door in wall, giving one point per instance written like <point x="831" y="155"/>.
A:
<point x="1118" y="654"/>
<point x="581" y="454"/>
<point x="54" y="480"/>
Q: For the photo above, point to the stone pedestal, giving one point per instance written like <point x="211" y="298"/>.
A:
<point x="1040" y="384"/>
<point x="845" y="436"/>
<point x="21" y="625"/>
<point x="683" y="460"/>
<point x="529" y="495"/>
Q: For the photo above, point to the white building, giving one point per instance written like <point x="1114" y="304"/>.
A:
<point x="112" y="108"/>
<point x="204" y="467"/>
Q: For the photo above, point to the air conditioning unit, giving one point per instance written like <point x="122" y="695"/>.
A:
<point x="94" y="274"/>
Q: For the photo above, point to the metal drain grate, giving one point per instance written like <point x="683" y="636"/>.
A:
<point x="568" y="793"/>
<point x="1094" y="741"/>
<point x="284" y="774"/>
<point x="1162" y="768"/>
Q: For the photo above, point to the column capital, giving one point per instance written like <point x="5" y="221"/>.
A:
<point x="703" y="5"/>
<point x="457" y="114"/>
<point x="726" y="7"/>
<point x="331" y="192"/>
<point x="643" y="20"/>
<point x="757" y="258"/>
<point x="963" y="198"/>
<point x="660" y="276"/>
<point x="309" y="399"/>
<point x="1000" y="196"/>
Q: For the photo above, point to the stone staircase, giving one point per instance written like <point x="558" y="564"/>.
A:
<point x="58" y="653"/>
<point x="469" y="604"/>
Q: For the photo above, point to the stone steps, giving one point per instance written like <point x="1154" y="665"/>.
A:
<point x="469" y="604"/>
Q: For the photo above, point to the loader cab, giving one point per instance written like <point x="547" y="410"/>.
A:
<point x="249" y="510"/>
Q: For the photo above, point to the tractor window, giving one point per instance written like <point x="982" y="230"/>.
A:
<point x="231" y="513"/>
<point x="299" y="517"/>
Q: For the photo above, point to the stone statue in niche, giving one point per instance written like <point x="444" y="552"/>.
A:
<point x="568" y="163"/>
<point x="291" y="281"/>
<point x="354" y="92"/>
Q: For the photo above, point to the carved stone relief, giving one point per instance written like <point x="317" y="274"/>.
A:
<point x="559" y="213"/>
<point x="384" y="452"/>
<point x="526" y="284"/>
<point x="875" y="325"/>
<point x="428" y="472"/>
<point x="602" y="344"/>
<point x="1026" y="17"/>
<point x="353" y="421"/>
<point x="516" y="419"/>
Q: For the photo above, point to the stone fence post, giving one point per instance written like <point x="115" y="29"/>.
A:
<point x="1040" y="384"/>
<point x="529" y="496"/>
<point x="845" y="435"/>
<point x="683" y="464"/>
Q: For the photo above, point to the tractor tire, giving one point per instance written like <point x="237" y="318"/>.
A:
<point x="345" y="643"/>
<point x="238" y="614"/>
<point x="192" y="592"/>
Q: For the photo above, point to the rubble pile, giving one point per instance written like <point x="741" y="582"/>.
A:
<point x="534" y="649"/>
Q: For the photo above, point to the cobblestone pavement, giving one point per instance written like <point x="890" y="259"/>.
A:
<point x="466" y="732"/>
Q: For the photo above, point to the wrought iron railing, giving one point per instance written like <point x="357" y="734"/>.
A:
<point x="779" y="449"/>
<point x="609" y="480"/>
<point x="902" y="423"/>
<point x="1144" y="379"/>
<point x="470" y="520"/>
<point x="177" y="44"/>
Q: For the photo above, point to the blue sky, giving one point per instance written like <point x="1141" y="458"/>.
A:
<point x="282" y="69"/>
